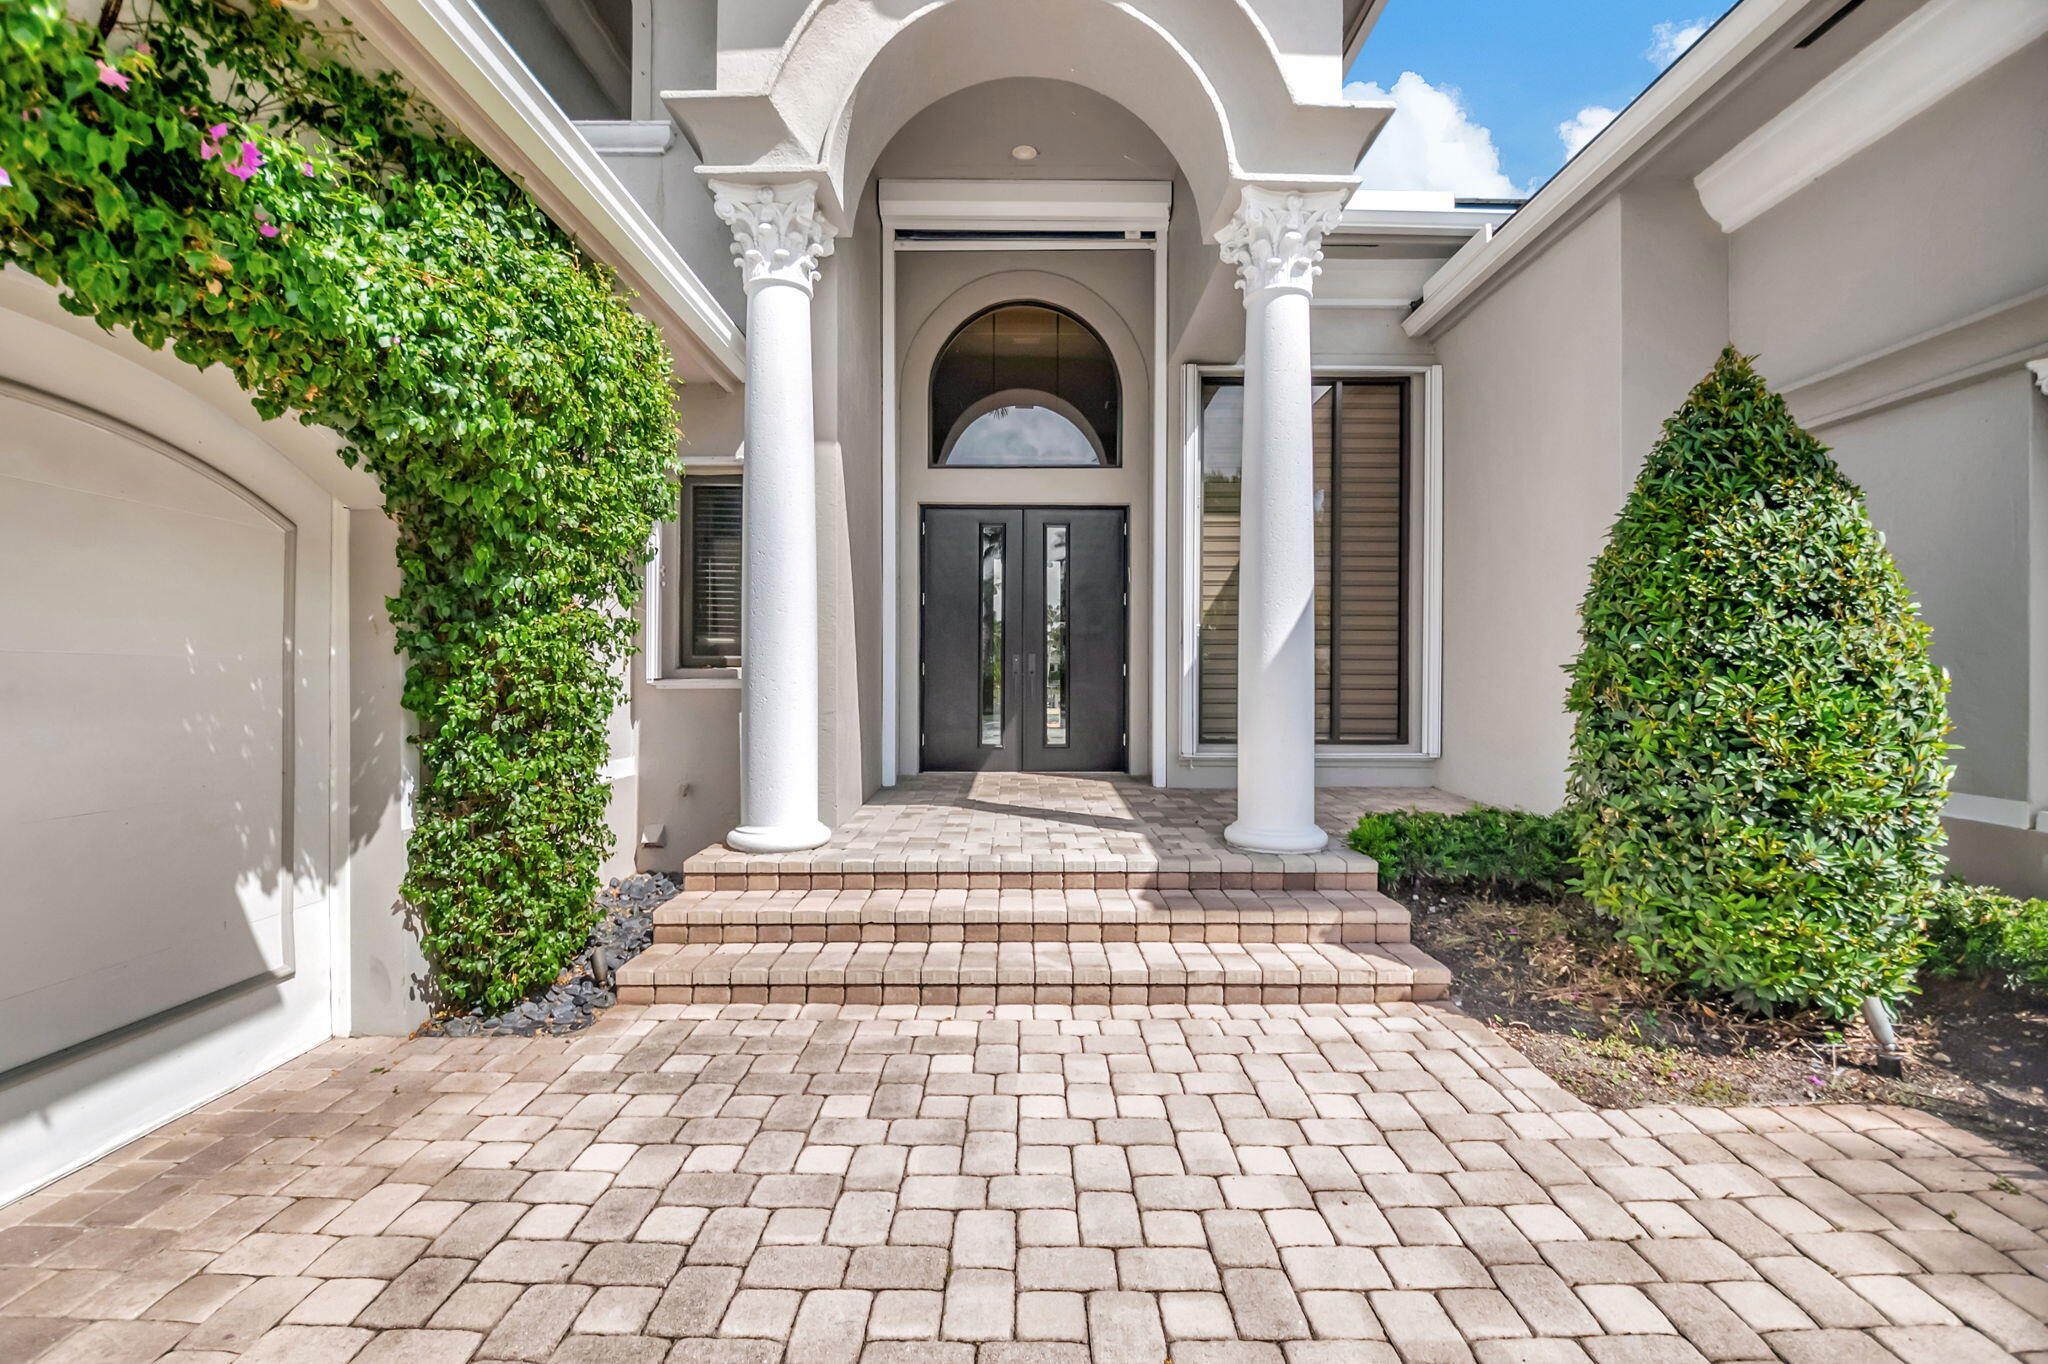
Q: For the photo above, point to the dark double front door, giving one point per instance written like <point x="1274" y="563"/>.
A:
<point x="1023" y="625"/>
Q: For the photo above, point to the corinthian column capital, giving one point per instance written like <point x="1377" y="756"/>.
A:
<point x="1276" y="237"/>
<point x="778" y="235"/>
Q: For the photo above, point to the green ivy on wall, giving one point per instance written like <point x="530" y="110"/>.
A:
<point x="222" y="180"/>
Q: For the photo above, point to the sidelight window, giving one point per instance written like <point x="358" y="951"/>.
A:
<point x="991" y="615"/>
<point x="1056" y="602"/>
<point x="1361" y="479"/>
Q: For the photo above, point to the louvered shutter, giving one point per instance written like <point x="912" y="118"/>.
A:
<point x="711" y="597"/>
<point x="1365" y="577"/>
<point x="1360" y="453"/>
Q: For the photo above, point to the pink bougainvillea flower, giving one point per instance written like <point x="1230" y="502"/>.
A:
<point x="5" y="179"/>
<point x="251" y="162"/>
<point x="306" y="169"/>
<point x="267" y="229"/>
<point x="209" y="145"/>
<point x="112" y="77"/>
<point x="143" y="49"/>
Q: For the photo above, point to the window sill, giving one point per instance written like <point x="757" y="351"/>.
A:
<point x="698" y="679"/>
<point x="1327" y="755"/>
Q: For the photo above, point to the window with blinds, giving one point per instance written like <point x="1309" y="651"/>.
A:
<point x="1361" y="475"/>
<point x="711" y="572"/>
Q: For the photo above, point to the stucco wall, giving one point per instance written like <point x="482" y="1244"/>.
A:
<point x="685" y="725"/>
<point x="1532" y="477"/>
<point x="1948" y="481"/>
<point x="1890" y="299"/>
<point x="1936" y="222"/>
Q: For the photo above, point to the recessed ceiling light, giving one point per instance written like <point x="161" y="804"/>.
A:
<point x="1023" y="151"/>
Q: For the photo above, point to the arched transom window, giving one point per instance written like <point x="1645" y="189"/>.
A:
<point x="1024" y="385"/>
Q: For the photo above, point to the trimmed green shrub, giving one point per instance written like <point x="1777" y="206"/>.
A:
<point x="1759" y="763"/>
<point x="1506" y="851"/>
<point x="1978" y="931"/>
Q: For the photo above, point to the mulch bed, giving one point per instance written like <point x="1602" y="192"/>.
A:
<point x="572" y="1001"/>
<point x="1551" y="979"/>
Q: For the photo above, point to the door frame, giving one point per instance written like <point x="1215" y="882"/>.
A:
<point x="978" y="214"/>
<point x="1123" y="633"/>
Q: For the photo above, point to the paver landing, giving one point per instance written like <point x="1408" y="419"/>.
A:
<point x="1022" y="1184"/>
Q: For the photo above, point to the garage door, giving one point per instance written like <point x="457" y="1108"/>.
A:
<point x="145" y="708"/>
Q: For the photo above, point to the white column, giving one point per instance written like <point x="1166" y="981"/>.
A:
<point x="1276" y="243"/>
<point x="778" y="238"/>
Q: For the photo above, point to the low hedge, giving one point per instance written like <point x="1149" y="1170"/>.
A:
<point x="1978" y="931"/>
<point x="1508" y="852"/>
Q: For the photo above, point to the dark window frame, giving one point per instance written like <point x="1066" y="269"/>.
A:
<point x="1327" y="735"/>
<point x="687" y="596"/>
<point x="1110" y="443"/>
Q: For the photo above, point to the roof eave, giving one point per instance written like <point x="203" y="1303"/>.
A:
<point x="1738" y="38"/>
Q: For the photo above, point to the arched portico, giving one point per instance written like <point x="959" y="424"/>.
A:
<point x="1262" y="156"/>
<point x="1205" y="75"/>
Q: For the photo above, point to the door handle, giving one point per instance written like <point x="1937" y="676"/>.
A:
<point x="1032" y="663"/>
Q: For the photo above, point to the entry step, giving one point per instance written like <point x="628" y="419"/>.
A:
<point x="966" y="973"/>
<point x="1042" y="916"/>
<point x="720" y="868"/>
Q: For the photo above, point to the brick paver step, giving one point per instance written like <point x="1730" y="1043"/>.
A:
<point x="1031" y="972"/>
<point x="1050" y="831"/>
<point x="746" y="916"/>
<point x="720" y="868"/>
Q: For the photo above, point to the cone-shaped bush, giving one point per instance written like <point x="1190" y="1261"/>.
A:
<point x="1759" y="762"/>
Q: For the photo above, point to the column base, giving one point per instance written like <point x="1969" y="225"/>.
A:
<point x="1255" y="838"/>
<point x="777" y="838"/>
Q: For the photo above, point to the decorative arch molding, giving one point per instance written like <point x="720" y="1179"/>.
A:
<point x="927" y="335"/>
<point x="1205" y="75"/>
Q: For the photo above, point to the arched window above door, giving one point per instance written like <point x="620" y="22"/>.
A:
<point x="1024" y="385"/>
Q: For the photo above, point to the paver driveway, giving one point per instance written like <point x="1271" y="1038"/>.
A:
<point x="1320" y="1185"/>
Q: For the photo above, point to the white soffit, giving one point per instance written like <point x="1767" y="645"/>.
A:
<point x="1026" y="205"/>
<point x="1928" y="56"/>
<point x="452" y="55"/>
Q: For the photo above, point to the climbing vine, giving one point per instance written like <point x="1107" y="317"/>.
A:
<point x="225" y="180"/>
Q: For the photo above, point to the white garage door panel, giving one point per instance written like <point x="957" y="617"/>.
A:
<point x="144" y="709"/>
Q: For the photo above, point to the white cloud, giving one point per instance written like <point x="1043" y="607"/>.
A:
<point x="1669" y="41"/>
<point x="1430" y="143"/>
<point x="1582" y="127"/>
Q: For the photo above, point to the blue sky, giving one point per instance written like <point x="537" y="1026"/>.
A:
<point x="1493" y="80"/>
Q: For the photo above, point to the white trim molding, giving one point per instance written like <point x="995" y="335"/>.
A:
<point x="1946" y="357"/>
<point x="1925" y="58"/>
<point x="1426" y="511"/>
<point x="2010" y="814"/>
<point x="979" y="211"/>
<point x="1025" y="205"/>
